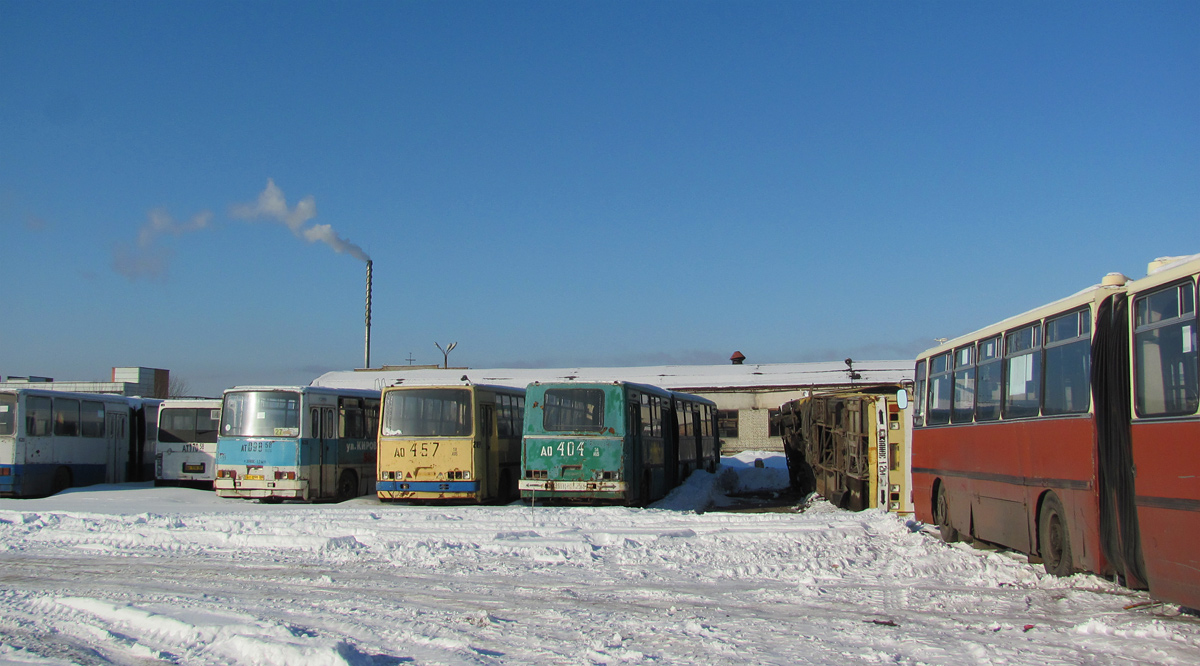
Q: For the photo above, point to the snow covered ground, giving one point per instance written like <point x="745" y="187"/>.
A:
<point x="133" y="574"/>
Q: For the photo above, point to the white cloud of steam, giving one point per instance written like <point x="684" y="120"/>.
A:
<point x="146" y="258"/>
<point x="272" y="205"/>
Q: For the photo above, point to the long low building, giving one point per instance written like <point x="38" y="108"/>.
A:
<point x="746" y="395"/>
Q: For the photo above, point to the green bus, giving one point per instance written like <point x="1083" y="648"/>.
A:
<point x="614" y="442"/>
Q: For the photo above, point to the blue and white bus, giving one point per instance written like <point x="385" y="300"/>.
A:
<point x="186" y="452"/>
<point x="297" y="442"/>
<point x="54" y="440"/>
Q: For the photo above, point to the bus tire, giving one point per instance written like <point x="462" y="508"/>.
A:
<point x="1054" y="537"/>
<point x="347" y="487"/>
<point x="62" y="480"/>
<point x="941" y="515"/>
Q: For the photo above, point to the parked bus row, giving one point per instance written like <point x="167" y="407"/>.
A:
<point x="53" y="440"/>
<point x="613" y="442"/>
<point x="1072" y="433"/>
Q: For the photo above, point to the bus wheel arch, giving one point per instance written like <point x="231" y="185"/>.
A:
<point x="1054" y="536"/>
<point x="62" y="480"/>
<point x="941" y="512"/>
<point x="347" y="487"/>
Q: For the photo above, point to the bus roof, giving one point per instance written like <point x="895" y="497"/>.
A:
<point x="687" y="378"/>
<point x="334" y="390"/>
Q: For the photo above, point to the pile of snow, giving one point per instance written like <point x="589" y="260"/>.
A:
<point x="135" y="574"/>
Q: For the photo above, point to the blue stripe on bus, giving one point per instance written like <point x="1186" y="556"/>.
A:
<point x="292" y="452"/>
<point x="37" y="479"/>
<point x="428" y="486"/>
<point x="273" y="452"/>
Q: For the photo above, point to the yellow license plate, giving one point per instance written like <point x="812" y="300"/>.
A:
<point x="253" y="477"/>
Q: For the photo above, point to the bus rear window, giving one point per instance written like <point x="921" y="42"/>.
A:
<point x="8" y="414"/>
<point x="261" y="414"/>
<point x="186" y="424"/>
<point x="573" y="409"/>
<point x="427" y="413"/>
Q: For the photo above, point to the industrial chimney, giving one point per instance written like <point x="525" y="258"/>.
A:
<point x="367" y="351"/>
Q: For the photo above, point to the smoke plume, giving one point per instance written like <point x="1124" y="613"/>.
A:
<point x="272" y="205"/>
<point x="147" y="258"/>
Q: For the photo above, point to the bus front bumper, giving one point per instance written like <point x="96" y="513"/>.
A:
<point x="255" y="489"/>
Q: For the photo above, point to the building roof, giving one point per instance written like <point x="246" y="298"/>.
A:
<point x="765" y="376"/>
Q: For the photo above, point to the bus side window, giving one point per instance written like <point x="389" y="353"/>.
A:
<point x="92" y="419"/>
<point x="1165" y="346"/>
<point x="988" y="384"/>
<point x="962" y="409"/>
<point x="66" y="417"/>
<point x="1023" y="371"/>
<point x="1068" y="363"/>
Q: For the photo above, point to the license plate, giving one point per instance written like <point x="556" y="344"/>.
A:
<point x="197" y="468"/>
<point x="253" y="477"/>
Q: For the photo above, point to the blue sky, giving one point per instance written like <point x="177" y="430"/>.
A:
<point x="573" y="183"/>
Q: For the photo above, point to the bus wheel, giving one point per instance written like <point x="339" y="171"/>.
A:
<point x="62" y="480"/>
<point x="347" y="487"/>
<point x="1054" y="537"/>
<point x="941" y="514"/>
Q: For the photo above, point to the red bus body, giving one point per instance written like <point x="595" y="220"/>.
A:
<point x="1117" y="479"/>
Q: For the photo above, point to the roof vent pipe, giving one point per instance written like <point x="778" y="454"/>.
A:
<point x="1160" y="262"/>
<point x="738" y="358"/>
<point x="1114" y="280"/>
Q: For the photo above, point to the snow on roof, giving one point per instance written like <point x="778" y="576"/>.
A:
<point x="675" y="377"/>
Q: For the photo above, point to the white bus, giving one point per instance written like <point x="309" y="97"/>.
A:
<point x="187" y="442"/>
<point x="53" y="440"/>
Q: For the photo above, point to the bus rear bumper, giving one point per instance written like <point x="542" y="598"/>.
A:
<point x="427" y="489"/>
<point x="531" y="488"/>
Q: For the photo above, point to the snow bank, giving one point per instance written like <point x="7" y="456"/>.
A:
<point x="131" y="574"/>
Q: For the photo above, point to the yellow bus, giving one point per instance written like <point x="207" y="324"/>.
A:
<point x="851" y="446"/>
<point x="459" y="443"/>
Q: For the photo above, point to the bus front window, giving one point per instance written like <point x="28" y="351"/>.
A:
<point x="427" y="413"/>
<point x="261" y="414"/>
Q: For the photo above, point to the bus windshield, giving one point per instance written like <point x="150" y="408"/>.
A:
<point x="427" y="413"/>
<point x="261" y="414"/>
<point x="573" y="409"/>
<point x="8" y="413"/>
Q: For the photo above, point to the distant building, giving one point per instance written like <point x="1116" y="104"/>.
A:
<point x="746" y="395"/>
<point x="143" y="382"/>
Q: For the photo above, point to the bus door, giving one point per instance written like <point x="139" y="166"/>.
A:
<point x="488" y="464"/>
<point x="634" y="458"/>
<point x="117" y="443"/>
<point x="329" y="453"/>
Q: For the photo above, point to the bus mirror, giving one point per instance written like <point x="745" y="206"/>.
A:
<point x="902" y="399"/>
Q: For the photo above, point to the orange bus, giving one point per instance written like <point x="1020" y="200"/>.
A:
<point x="1072" y="433"/>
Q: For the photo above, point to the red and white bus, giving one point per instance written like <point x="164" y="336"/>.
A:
<point x="1072" y="433"/>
